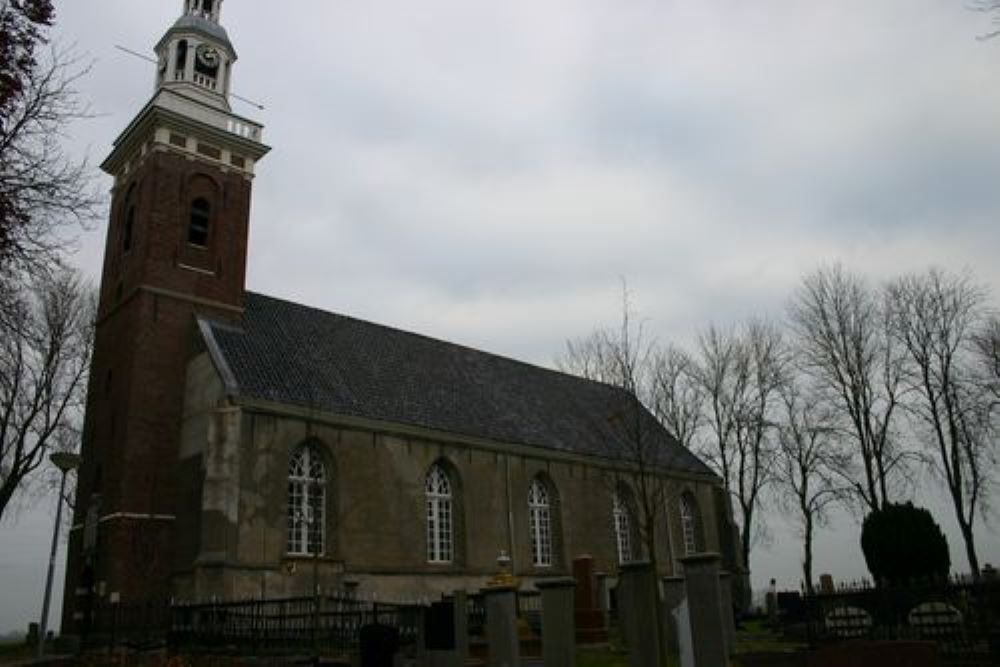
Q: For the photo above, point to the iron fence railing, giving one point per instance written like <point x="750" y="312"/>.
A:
<point x="283" y="625"/>
<point x="961" y="615"/>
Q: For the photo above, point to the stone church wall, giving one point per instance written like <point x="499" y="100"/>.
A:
<point x="375" y="504"/>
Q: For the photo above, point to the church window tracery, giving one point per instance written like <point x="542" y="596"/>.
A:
<point x="540" y="523"/>
<point x="306" y="501"/>
<point x="439" y="515"/>
<point x="689" y="523"/>
<point x="623" y="527"/>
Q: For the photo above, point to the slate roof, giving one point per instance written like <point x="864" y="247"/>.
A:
<point x="296" y="355"/>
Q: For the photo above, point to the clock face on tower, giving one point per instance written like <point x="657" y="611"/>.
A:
<point x="207" y="56"/>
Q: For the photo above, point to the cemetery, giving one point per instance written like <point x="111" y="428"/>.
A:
<point x="589" y="619"/>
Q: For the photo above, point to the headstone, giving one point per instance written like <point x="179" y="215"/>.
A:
<point x="701" y="578"/>
<point x="638" y="595"/>
<point x="558" y="627"/>
<point x="601" y="589"/>
<point x="439" y="635"/>
<point x="589" y="619"/>
<point x="379" y="644"/>
<point x="674" y="595"/>
<point x="826" y="584"/>
<point x="772" y="603"/>
<point x="439" y="631"/>
<point x="726" y="610"/>
<point x="501" y="626"/>
<point x="685" y="649"/>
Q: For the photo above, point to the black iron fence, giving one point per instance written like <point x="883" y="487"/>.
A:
<point x="327" y="623"/>
<point x="529" y="607"/>
<point x="961" y="615"/>
<point x="136" y="624"/>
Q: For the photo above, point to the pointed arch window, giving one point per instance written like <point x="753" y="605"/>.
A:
<point x="440" y="536"/>
<point x="201" y="212"/>
<point x="689" y="523"/>
<point x="540" y="523"/>
<point x="623" y="528"/>
<point x="306" y="501"/>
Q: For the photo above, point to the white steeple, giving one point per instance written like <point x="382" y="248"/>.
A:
<point x="189" y="113"/>
<point x="196" y="56"/>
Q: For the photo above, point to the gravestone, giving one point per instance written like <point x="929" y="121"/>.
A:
<point x="726" y="610"/>
<point x="558" y="627"/>
<point x="638" y="595"/>
<point x="439" y="635"/>
<point x="701" y="579"/>
<point x="501" y="626"/>
<point x="379" y="644"/>
<point x="677" y="634"/>
<point x="588" y="617"/>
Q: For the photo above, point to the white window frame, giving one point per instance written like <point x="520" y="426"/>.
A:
<point x="306" y="502"/>
<point x="689" y="525"/>
<point x="623" y="529"/>
<point x="440" y="515"/>
<point x="540" y="523"/>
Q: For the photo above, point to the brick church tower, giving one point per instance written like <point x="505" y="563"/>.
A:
<point x="176" y="247"/>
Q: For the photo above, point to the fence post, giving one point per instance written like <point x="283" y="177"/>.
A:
<point x="461" y="602"/>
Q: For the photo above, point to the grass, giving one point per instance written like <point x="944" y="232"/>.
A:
<point x="15" y="649"/>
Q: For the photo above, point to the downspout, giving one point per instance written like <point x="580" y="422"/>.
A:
<point x="510" y="518"/>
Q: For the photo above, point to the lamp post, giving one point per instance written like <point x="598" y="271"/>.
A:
<point x="65" y="461"/>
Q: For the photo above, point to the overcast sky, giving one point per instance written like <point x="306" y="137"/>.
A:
<point x="484" y="172"/>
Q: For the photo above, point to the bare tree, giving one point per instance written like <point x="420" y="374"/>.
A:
<point x="621" y="358"/>
<point x="676" y="396"/>
<point x="988" y="348"/>
<point x="936" y="317"/>
<point x="635" y="442"/>
<point x="808" y="457"/>
<point x="741" y="372"/>
<point x="44" y="356"/>
<point x="592" y="357"/>
<point x="842" y="333"/>
<point x="43" y="191"/>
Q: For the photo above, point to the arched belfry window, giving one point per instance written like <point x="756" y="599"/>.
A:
<point x="689" y="523"/>
<point x="623" y="526"/>
<point x="201" y="212"/>
<point x="306" y="501"/>
<point x="440" y="524"/>
<point x="540" y="523"/>
<point x="180" y="63"/>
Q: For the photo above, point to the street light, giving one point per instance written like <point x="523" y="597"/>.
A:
<point x="65" y="461"/>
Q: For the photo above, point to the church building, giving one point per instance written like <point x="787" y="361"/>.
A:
<point x="238" y="445"/>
